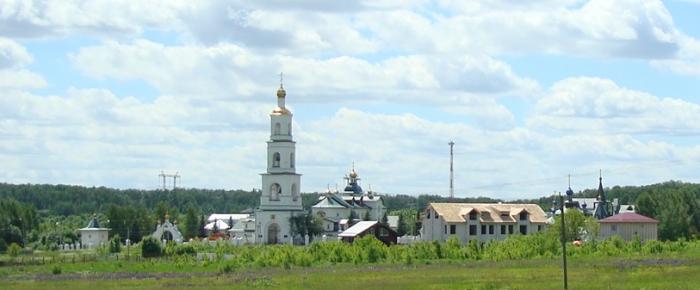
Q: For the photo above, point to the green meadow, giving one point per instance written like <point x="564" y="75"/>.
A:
<point x="584" y="273"/>
<point x="517" y="263"/>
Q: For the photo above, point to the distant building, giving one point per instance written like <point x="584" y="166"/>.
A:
<point x="93" y="235"/>
<point x="335" y="208"/>
<point x="373" y="228"/>
<point x="393" y="222"/>
<point x="480" y="221"/>
<point x="167" y="231"/>
<point x="243" y="231"/>
<point x="628" y="225"/>
<point x="598" y="207"/>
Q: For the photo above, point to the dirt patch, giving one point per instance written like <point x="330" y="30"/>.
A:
<point x="635" y="263"/>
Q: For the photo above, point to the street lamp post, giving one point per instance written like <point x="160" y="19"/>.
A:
<point x="563" y="239"/>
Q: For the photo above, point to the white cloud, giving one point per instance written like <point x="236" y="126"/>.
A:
<point x="41" y="19"/>
<point x="687" y="61"/>
<point x="12" y="54"/>
<point x="227" y="70"/>
<point x="593" y="104"/>
<point x="16" y="79"/>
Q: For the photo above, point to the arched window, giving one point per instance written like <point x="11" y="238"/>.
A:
<point x="276" y="159"/>
<point x="291" y="160"/>
<point x="275" y="191"/>
<point x="277" y="129"/>
<point x="295" y="194"/>
<point x="289" y="129"/>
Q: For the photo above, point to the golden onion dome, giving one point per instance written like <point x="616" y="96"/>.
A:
<point x="281" y="93"/>
<point x="353" y="174"/>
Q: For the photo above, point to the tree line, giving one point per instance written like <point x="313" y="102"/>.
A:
<point x="47" y="215"/>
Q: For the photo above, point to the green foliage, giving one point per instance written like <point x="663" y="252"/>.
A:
<point x="675" y="205"/>
<point x="578" y="226"/>
<point x="56" y="270"/>
<point x="151" y="247"/>
<point x="13" y="250"/>
<point x="407" y="221"/>
<point x="68" y="200"/>
<point x="115" y="244"/>
<point x="17" y="220"/>
<point x="174" y="249"/>
<point x="191" y="229"/>
<point x="305" y="224"/>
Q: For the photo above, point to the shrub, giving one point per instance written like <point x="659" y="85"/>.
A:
<point x="150" y="247"/>
<point x="13" y="250"/>
<point x="3" y="245"/>
<point x="56" y="270"/>
<point x="173" y="249"/>
<point x="115" y="246"/>
<point x="653" y="247"/>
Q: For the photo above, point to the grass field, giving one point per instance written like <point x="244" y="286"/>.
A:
<point x="584" y="273"/>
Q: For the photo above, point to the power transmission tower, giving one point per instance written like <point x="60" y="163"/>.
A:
<point x="164" y="176"/>
<point x="452" y="171"/>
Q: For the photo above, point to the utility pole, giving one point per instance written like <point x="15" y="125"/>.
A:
<point x="563" y="240"/>
<point x="452" y="171"/>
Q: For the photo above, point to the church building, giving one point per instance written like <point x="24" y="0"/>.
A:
<point x="339" y="210"/>
<point x="280" y="199"/>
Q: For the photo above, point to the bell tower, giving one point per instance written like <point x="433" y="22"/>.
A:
<point x="280" y="198"/>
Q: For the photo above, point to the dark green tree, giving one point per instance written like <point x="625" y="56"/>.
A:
<point x="352" y="216"/>
<point x="202" y="223"/>
<point x="191" y="223"/>
<point x="401" y="229"/>
<point x="306" y="224"/>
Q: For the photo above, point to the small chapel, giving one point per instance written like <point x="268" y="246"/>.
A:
<point x="280" y="199"/>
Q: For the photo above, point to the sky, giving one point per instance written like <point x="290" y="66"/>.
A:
<point x="112" y="93"/>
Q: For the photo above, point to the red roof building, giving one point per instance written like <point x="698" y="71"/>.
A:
<point x="628" y="226"/>
<point x="629" y="217"/>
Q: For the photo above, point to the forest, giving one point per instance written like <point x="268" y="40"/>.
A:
<point x="44" y="215"/>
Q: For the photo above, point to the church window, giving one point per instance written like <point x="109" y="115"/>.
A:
<point x="483" y="229"/>
<point x="510" y="229"/>
<point x="523" y="229"/>
<point x="289" y="129"/>
<point x="539" y="228"/>
<point x="503" y="229"/>
<point x="276" y="159"/>
<point x="445" y="229"/>
<point x="472" y="216"/>
<point x="277" y="129"/>
<point x="275" y="191"/>
<point x="295" y="194"/>
<point x="428" y="214"/>
<point x="490" y="229"/>
<point x="453" y="229"/>
<point x="291" y="160"/>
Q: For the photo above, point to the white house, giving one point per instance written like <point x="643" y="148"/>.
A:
<point x="281" y="184"/>
<point x="480" y="221"/>
<point x="93" y="235"/>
